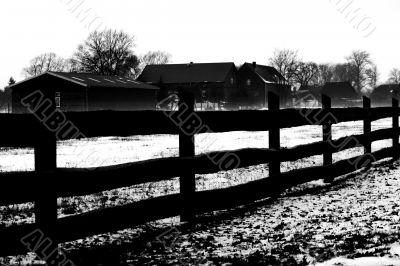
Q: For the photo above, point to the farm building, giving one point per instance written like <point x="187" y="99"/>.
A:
<point x="86" y="92"/>
<point x="254" y="83"/>
<point x="383" y="94"/>
<point x="211" y="83"/>
<point x="343" y="94"/>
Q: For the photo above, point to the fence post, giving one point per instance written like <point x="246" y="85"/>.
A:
<point x="274" y="134"/>
<point x="187" y="149"/>
<point x="367" y="124"/>
<point x="327" y="132"/>
<point x="46" y="202"/>
<point x="396" y="146"/>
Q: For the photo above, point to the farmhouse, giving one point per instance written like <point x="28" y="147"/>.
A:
<point x="211" y="83"/>
<point x="254" y="83"/>
<point x="86" y="92"/>
<point x="383" y="94"/>
<point x="343" y="94"/>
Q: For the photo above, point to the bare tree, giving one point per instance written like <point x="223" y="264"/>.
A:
<point x="156" y="58"/>
<point x="394" y="76"/>
<point x="372" y="77"/>
<point x="45" y="62"/>
<point x="107" y="52"/>
<point x="361" y="61"/>
<point x="286" y="62"/>
<point x="305" y="73"/>
<point x="325" y="74"/>
<point x="344" y="73"/>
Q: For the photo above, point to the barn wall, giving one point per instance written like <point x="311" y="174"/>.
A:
<point x="121" y="99"/>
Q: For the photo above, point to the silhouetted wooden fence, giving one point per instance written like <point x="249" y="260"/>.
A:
<point x="47" y="182"/>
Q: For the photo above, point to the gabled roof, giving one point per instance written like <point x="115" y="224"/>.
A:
<point x="186" y="73"/>
<point x="267" y="74"/>
<point x="342" y="90"/>
<point x="93" y="80"/>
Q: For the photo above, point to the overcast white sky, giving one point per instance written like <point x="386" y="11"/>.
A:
<point x="204" y="30"/>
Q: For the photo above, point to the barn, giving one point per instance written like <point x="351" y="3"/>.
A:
<point x="342" y="94"/>
<point x="256" y="81"/>
<point x="211" y="83"/>
<point x="383" y="94"/>
<point x="86" y="92"/>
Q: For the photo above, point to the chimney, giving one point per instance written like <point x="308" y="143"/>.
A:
<point x="190" y="64"/>
<point x="254" y="64"/>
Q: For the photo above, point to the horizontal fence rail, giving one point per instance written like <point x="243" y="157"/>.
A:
<point x="24" y="129"/>
<point x="47" y="182"/>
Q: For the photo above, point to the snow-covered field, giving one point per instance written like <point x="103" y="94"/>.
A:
<point x="116" y="150"/>
<point x="353" y="222"/>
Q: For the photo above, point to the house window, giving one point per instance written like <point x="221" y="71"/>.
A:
<point x="58" y="99"/>
<point x="248" y="82"/>
<point x="232" y="81"/>
<point x="203" y="93"/>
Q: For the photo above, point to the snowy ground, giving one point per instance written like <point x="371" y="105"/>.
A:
<point x="354" y="221"/>
<point x="300" y="229"/>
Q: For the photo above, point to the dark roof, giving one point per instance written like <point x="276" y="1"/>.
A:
<point x="267" y="74"/>
<point x="186" y="73"/>
<point x="93" y="80"/>
<point x="343" y="90"/>
<point x="386" y="90"/>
